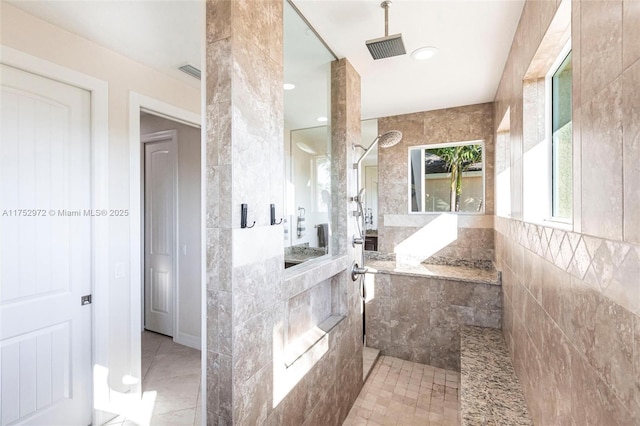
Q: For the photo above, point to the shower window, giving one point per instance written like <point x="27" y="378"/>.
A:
<point x="307" y="144"/>
<point x="447" y="178"/>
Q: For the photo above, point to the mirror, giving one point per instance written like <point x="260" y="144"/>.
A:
<point x="447" y="178"/>
<point x="307" y="77"/>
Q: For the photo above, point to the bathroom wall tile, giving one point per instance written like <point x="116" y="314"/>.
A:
<point x="580" y="261"/>
<point x="554" y="280"/>
<point x="213" y="385"/>
<point x="225" y="322"/>
<point x="624" y="286"/>
<point x="218" y="77"/>
<point x="213" y="197"/>
<point x="606" y="260"/>
<point x="533" y="274"/>
<point x="602" y="202"/>
<point x="213" y="333"/>
<point x="558" y="383"/>
<point x="578" y="319"/>
<point x="593" y="402"/>
<point x="576" y="49"/>
<point x="601" y="30"/>
<point x="636" y="366"/>
<point x="252" y="346"/>
<point x="212" y="258"/>
<point x="252" y="293"/>
<point x="576" y="128"/>
<point x="253" y="402"/>
<point x="218" y="20"/>
<point x="226" y="387"/>
<point x="631" y="145"/>
<point x="630" y="32"/>
<point x="614" y="357"/>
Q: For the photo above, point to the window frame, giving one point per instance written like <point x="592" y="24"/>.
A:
<point x="556" y="220"/>
<point x="422" y="148"/>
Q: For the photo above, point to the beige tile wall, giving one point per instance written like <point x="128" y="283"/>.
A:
<point x="472" y="122"/>
<point x="572" y="299"/>
<point x="248" y="382"/>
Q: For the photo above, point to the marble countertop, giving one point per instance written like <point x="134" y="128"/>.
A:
<point x="490" y="393"/>
<point x="459" y="273"/>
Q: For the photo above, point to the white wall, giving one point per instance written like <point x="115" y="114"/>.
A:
<point x="187" y="329"/>
<point x="36" y="37"/>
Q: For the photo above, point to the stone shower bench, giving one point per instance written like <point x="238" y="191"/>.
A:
<point x="447" y="272"/>
<point x="490" y="393"/>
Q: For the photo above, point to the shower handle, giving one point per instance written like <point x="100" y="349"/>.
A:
<point x="356" y="271"/>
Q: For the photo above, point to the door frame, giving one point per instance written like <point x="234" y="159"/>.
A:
<point x="99" y="90"/>
<point x="140" y="103"/>
<point x="172" y="137"/>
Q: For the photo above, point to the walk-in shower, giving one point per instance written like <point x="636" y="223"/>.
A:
<point x="386" y="140"/>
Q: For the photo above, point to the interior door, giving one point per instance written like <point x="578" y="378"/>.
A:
<point x="45" y="251"/>
<point x="159" y="231"/>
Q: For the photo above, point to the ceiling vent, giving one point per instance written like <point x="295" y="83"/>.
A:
<point x="191" y="70"/>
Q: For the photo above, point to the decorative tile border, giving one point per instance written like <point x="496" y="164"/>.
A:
<point x="611" y="267"/>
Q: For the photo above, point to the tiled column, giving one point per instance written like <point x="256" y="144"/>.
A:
<point x="244" y="163"/>
<point x="345" y="131"/>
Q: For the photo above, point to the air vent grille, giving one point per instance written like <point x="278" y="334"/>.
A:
<point x="191" y="70"/>
<point x="386" y="47"/>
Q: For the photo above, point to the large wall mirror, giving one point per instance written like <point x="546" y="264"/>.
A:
<point x="307" y="144"/>
<point x="447" y="177"/>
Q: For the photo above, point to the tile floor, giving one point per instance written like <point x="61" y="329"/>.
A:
<point x="406" y="393"/>
<point x="369" y="357"/>
<point x="173" y="371"/>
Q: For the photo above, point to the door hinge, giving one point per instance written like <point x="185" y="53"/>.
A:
<point x="85" y="300"/>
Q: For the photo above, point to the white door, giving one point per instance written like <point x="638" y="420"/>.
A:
<point x="159" y="231"/>
<point x="45" y="251"/>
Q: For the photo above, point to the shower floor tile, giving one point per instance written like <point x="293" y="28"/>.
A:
<point x="404" y="393"/>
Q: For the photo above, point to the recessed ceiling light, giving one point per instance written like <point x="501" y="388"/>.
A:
<point x="424" y="53"/>
<point x="322" y="119"/>
<point x="289" y="86"/>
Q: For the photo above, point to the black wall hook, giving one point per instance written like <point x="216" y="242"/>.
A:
<point x="243" y="216"/>
<point x="273" y="215"/>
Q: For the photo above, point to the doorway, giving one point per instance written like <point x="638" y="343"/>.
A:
<point x="170" y="179"/>
<point x="171" y="252"/>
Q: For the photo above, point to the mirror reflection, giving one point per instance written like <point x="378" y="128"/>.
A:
<point x="307" y="144"/>
<point x="447" y="178"/>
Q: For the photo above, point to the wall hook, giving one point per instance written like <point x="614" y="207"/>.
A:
<point x="273" y="215"/>
<point x="243" y="216"/>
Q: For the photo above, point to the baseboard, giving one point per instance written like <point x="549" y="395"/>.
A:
<point x="188" y="340"/>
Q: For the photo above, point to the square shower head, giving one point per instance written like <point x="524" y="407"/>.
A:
<point x="386" y="47"/>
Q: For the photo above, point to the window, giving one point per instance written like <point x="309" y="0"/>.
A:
<point x="561" y="141"/>
<point x="447" y="178"/>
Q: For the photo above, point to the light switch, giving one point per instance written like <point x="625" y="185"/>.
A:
<point x="184" y="249"/>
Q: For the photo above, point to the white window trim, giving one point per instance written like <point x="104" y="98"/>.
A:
<point x="480" y="142"/>
<point x="550" y="219"/>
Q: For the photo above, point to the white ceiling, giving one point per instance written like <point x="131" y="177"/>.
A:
<point x="162" y="34"/>
<point x="473" y="38"/>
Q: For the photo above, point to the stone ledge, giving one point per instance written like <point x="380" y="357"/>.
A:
<point x="490" y="393"/>
<point x="457" y="273"/>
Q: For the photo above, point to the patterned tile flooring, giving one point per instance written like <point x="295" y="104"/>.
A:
<point x="406" y="393"/>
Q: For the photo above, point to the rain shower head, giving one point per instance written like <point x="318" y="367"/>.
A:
<point x="390" y="138"/>
<point x="389" y="45"/>
<point x="385" y="140"/>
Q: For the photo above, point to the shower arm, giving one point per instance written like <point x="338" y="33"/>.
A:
<point x="357" y="164"/>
